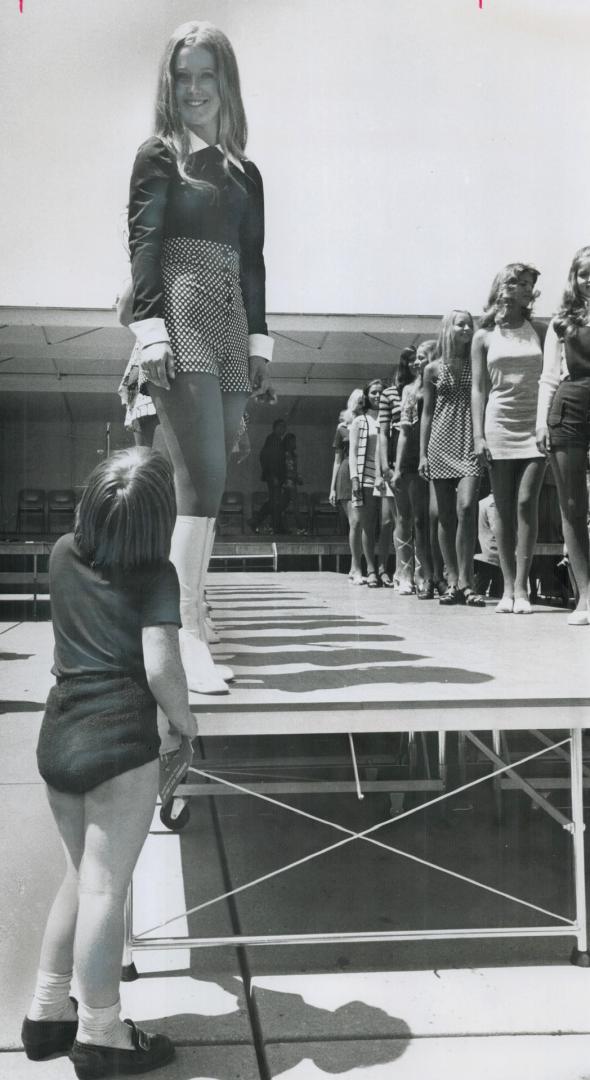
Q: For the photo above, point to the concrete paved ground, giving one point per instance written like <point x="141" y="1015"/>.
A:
<point x="462" y="1009"/>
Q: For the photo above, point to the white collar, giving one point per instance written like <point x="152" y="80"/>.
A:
<point x="197" y="143"/>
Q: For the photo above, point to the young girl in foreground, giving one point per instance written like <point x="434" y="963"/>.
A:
<point x="563" y="424"/>
<point x="115" y="612"/>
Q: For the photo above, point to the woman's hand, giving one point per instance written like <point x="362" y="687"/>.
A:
<point x="396" y="479"/>
<point x="262" y="388"/>
<point x="482" y="452"/>
<point x="332" y="498"/>
<point x="156" y="363"/>
<point x="423" y="470"/>
<point x="355" y="485"/>
<point x="543" y="441"/>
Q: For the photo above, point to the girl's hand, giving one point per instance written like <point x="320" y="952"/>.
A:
<point x="396" y="479"/>
<point x="332" y="498"/>
<point x="185" y="725"/>
<point x="543" y="441"/>
<point x="156" y="363"/>
<point x="423" y="470"/>
<point x="483" y="453"/>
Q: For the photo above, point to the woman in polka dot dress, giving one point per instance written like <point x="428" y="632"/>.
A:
<point x="196" y="234"/>
<point x="447" y="456"/>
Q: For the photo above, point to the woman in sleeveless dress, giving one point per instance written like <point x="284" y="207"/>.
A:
<point x="447" y="456"/>
<point x="507" y="357"/>
<point x="365" y="473"/>
<point x="563" y="424"/>
<point x="341" y="488"/>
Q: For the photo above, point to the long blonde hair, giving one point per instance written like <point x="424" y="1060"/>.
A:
<point x="233" y="129"/>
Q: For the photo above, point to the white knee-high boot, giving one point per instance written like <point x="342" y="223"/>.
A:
<point x="209" y="626"/>
<point x="188" y="553"/>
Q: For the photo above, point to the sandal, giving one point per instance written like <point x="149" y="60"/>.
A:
<point x="473" y="599"/>
<point x="372" y="580"/>
<point x="385" y="579"/>
<point x="426" y="591"/>
<point x="441" y="586"/>
<point x="357" y="579"/>
<point x="454" y="595"/>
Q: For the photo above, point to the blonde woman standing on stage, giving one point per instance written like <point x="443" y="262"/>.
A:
<point x="507" y="356"/>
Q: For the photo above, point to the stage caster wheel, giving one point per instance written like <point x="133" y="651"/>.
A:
<point x="175" y="814"/>
<point x="580" y="959"/>
<point x="129" y="973"/>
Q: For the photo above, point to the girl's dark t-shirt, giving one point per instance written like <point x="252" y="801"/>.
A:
<point x="98" y="620"/>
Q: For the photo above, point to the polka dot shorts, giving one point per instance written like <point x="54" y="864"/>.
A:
<point x="204" y="310"/>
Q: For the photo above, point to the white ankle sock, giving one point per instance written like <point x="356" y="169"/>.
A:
<point x="51" y="1000"/>
<point x="103" y="1027"/>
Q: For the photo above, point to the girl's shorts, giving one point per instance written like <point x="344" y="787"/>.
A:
<point x="94" y="728"/>
<point x="569" y="416"/>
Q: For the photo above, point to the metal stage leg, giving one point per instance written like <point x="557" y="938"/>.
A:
<point x="580" y="955"/>
<point x="442" y="758"/>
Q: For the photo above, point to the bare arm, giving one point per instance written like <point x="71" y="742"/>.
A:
<point x="335" y="467"/>
<point x="428" y="403"/>
<point x="547" y="386"/>
<point x="166" y="678"/>
<point x="479" y="351"/>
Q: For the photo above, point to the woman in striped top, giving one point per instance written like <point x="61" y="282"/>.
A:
<point x="365" y="473"/>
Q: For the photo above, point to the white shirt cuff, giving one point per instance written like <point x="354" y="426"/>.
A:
<point x="150" y="331"/>
<point x="260" y="345"/>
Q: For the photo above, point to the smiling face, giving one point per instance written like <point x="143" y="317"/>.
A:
<point x="373" y="394"/>
<point x="196" y="89"/>
<point x="462" y="330"/>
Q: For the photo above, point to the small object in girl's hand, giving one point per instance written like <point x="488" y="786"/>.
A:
<point x="173" y="768"/>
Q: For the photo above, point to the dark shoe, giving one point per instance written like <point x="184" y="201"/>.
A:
<point x="426" y="591"/>
<point x="454" y="595"/>
<point x="149" y="1052"/>
<point x="41" y="1038"/>
<point x="473" y="599"/>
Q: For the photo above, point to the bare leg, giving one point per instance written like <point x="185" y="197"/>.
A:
<point x="466" y="497"/>
<point x="569" y="470"/>
<point x="404" y="571"/>
<point x="368" y="522"/>
<point x="504" y="476"/>
<point x="447" y="520"/>
<point x="419" y="497"/>
<point x="355" y="541"/>
<point x="438" y="566"/>
<point x="527" y="508"/>
<point x="191" y="415"/>
<point x="386" y="531"/>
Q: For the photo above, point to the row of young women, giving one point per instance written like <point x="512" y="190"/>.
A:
<point x="506" y="398"/>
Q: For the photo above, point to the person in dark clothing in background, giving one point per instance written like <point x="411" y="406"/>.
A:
<point x="272" y="463"/>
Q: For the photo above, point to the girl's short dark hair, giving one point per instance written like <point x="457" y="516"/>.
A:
<point x="126" y="515"/>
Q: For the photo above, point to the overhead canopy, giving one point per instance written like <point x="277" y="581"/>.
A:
<point x="71" y="351"/>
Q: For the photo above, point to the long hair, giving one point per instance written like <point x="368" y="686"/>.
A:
<point x="354" y="406"/>
<point x="403" y="374"/>
<point x="233" y="129"/>
<point x="126" y="515"/>
<point x="366" y="403"/>
<point x="445" y="345"/>
<point x="573" y="310"/>
<point x="496" y="309"/>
